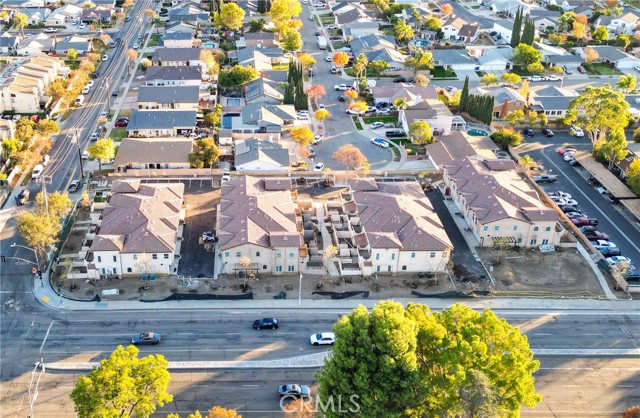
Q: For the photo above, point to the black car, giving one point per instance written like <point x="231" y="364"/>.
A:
<point x="265" y="323"/>
<point x="596" y="235"/>
<point x="527" y="132"/>
<point x="341" y="99"/>
<point x="23" y="197"/>
<point x="95" y="74"/>
<point x="146" y="338"/>
<point x="400" y="80"/>
<point x="587" y="228"/>
<point x="567" y="209"/>
<point x="317" y="33"/>
<point x="548" y="132"/>
<point x="312" y="153"/>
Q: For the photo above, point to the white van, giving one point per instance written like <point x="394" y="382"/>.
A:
<point x="37" y="171"/>
<point x="79" y="100"/>
<point x="85" y="90"/>
<point x="45" y="160"/>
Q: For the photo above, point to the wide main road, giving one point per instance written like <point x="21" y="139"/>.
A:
<point x="584" y="355"/>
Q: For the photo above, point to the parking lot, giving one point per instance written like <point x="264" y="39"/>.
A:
<point x="573" y="180"/>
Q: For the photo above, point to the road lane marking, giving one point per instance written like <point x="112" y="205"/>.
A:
<point x="625" y="386"/>
<point x="627" y="334"/>
<point x="257" y="386"/>
<point x="541" y="334"/>
<point x="46" y="335"/>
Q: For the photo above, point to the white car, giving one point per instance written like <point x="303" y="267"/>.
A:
<point x="552" y="78"/>
<point x="85" y="155"/>
<point x="37" y="171"/>
<point x="317" y="139"/>
<point x="328" y="58"/>
<point x="302" y="114"/>
<point x="50" y="30"/>
<point x="319" y="167"/>
<point x="90" y="83"/>
<point x="576" y="131"/>
<point x="535" y="78"/>
<point x="323" y="338"/>
<point x="331" y="27"/>
<point x="376" y="125"/>
<point x="637" y="68"/>
<point x="105" y="57"/>
<point x="82" y="25"/>
<point x="136" y="46"/>
<point x="321" y="106"/>
<point x="560" y="194"/>
<point x="379" y="142"/>
<point x="568" y="156"/>
<point x="85" y="90"/>
<point x="619" y="259"/>
<point x="340" y="87"/>
<point x="334" y="70"/>
<point x="355" y="112"/>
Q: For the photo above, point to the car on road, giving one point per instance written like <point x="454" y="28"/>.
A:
<point x="90" y="83"/>
<point x="266" y="323"/>
<point x="581" y="70"/>
<point x="319" y="167"/>
<point x="136" y="46"/>
<point x="73" y="187"/>
<point x="105" y="57"/>
<point x="535" y="78"/>
<point x="617" y="260"/>
<point x="356" y="112"/>
<point x="328" y="58"/>
<point x="317" y="139"/>
<point x="376" y="125"/>
<point x="95" y="136"/>
<point x="104" y="114"/>
<point x="379" y="142"/>
<point x="527" y="132"/>
<point x="146" y="338"/>
<point x="85" y="90"/>
<point x="82" y="25"/>
<point x="562" y="151"/>
<point x="312" y="153"/>
<point x="334" y="70"/>
<point x="401" y="80"/>
<point x="637" y="68"/>
<point x="548" y="132"/>
<point x="545" y="178"/>
<point x="23" y="197"/>
<point x="342" y="99"/>
<point x="294" y="391"/>
<point x="576" y="131"/>
<point x="568" y="156"/>
<point x="323" y="338"/>
<point x="115" y="93"/>
<point x="50" y="30"/>
<point x="37" y="171"/>
<point x="584" y="221"/>
<point x="606" y="248"/>
<point x="122" y="123"/>
<point x="596" y="235"/>
<point x="340" y="87"/>
<point x="560" y="194"/>
<point x="552" y="78"/>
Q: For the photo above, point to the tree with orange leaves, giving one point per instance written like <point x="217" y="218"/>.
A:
<point x="316" y="91"/>
<point x="340" y="59"/>
<point x="350" y="156"/>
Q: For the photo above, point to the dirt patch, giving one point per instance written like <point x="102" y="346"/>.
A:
<point x="529" y="272"/>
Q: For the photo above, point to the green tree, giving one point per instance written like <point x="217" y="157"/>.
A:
<point x="48" y="127"/>
<point x="283" y="11"/>
<point x="514" y="117"/>
<point x="256" y="25"/>
<point x="543" y="120"/>
<point x="623" y="41"/>
<point x="360" y="65"/>
<point x="433" y="23"/>
<point x="517" y="28"/>
<point x="535" y="68"/>
<point x="526" y="54"/>
<point x="262" y="6"/>
<point x="400" y="103"/>
<point x="506" y="137"/>
<point x="420" y="133"/>
<point x="489" y="79"/>
<point x="636" y="135"/>
<point x="421" y="60"/>
<point x="123" y="385"/>
<point x="613" y="149"/>
<point x="464" y="96"/>
<point x="57" y="205"/>
<point x="237" y="76"/>
<point x="403" y="32"/>
<point x="58" y="88"/>
<point x="103" y="150"/>
<point x="511" y="78"/>
<point x="598" y="111"/>
<point x="213" y="118"/>
<point x="20" y="21"/>
<point x="291" y="40"/>
<point x="566" y="21"/>
<point x="39" y="231"/>
<point x="231" y="16"/>
<point x="72" y="54"/>
<point x="555" y="39"/>
<point x="11" y="146"/>
<point x="633" y="176"/>
<point x="378" y="66"/>
<point x="529" y="32"/>
<point x="25" y="130"/>
<point x="532" y="117"/>
<point x="626" y="83"/>
<point x="600" y="34"/>
<point x="205" y="154"/>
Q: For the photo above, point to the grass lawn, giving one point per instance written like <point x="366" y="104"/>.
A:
<point x="356" y="120"/>
<point x="118" y="134"/>
<point x="602" y="69"/>
<point x="338" y="45"/>
<point x="396" y="153"/>
<point x="522" y="72"/>
<point x="72" y="64"/>
<point x="383" y="119"/>
<point x="154" y="39"/>
<point x="440" y="72"/>
<point x="335" y="32"/>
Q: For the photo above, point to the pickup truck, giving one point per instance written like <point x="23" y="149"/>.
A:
<point x="340" y="87"/>
<point x="545" y="178"/>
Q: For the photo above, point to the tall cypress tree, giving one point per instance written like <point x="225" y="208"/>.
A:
<point x="262" y="6"/>
<point x="464" y="96"/>
<point x="288" y="94"/>
<point x="529" y="32"/>
<point x="517" y="28"/>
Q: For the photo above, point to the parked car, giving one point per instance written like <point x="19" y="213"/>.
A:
<point x="606" y="248"/>
<point x="567" y="70"/>
<point x="37" y="171"/>
<point x="535" y="78"/>
<point x="581" y="70"/>
<point x="617" y="260"/>
<point x="122" y="123"/>
<point x="146" y="338"/>
<point x="341" y="87"/>
<point x="637" y="68"/>
<point x="356" y="112"/>
<point x="334" y="70"/>
<point x="562" y="151"/>
<point x="331" y="27"/>
<point x="105" y="57"/>
<point x="528" y="132"/>
<point x="568" y="209"/>
<point x="376" y="125"/>
<point x="568" y="156"/>
<point x="23" y="197"/>
<point x="266" y="323"/>
<point x="548" y="132"/>
<point x="319" y="167"/>
<point x="136" y="45"/>
<point x="317" y="139"/>
<point x="342" y="99"/>
<point x="575" y="215"/>
<point x="632" y="277"/>
<point x="576" y="131"/>
<point x="115" y="93"/>
<point x="295" y="391"/>
<point x="328" y="58"/>
<point x="312" y="153"/>
<point x="596" y="235"/>
<point x="73" y="187"/>
<point x="323" y="338"/>
<point x="552" y="78"/>
<point x="584" y="221"/>
<point x="563" y="201"/>
<point x="587" y="228"/>
<point x="560" y="194"/>
<point x="379" y="142"/>
<point x="50" y="30"/>
<point x="545" y="178"/>
<point x="395" y="133"/>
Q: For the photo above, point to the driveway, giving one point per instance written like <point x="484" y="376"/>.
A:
<point x="462" y="254"/>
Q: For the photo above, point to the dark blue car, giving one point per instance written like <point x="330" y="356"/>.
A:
<point x="150" y="338"/>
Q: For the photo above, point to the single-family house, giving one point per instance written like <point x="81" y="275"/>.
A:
<point x="253" y="57"/>
<point x="378" y="47"/>
<point x="253" y="154"/>
<point x="153" y="153"/>
<point x="612" y="55"/>
<point x="111" y="4"/>
<point x="260" y="39"/>
<point x="552" y="101"/>
<point x="139" y="230"/>
<point x="191" y="14"/>
<point x="69" y="13"/>
<point x="457" y="145"/>
<point x="360" y="28"/>
<point x="350" y="16"/>
<point x="161" y="123"/>
<point x="498" y="205"/>
<point x="432" y="111"/>
<point x="262" y="90"/>
<point x="96" y="14"/>
<point x="257" y="218"/>
<point x="455" y="59"/>
<point x="36" y="17"/>
<point x="545" y="20"/>
<point x="186" y="27"/>
<point x="400" y="232"/>
<point x="177" y="57"/>
<point x="572" y="5"/>
<point x="9" y="42"/>
<point x="410" y="93"/>
<point x="503" y="28"/>
<point x="81" y="44"/>
<point x="177" y="40"/>
<point x="506" y="100"/>
<point x="173" y="76"/>
<point x="451" y="28"/>
<point x="35" y="45"/>
<point x="24" y="4"/>
<point x="169" y="97"/>
<point x="617" y="25"/>
<point x="494" y="59"/>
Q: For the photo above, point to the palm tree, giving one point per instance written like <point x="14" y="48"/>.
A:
<point x="400" y="103"/>
<point x="20" y="21"/>
<point x="157" y="21"/>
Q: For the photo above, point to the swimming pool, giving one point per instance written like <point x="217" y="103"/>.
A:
<point x="477" y="132"/>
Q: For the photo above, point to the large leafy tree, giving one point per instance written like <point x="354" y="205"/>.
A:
<point x="350" y="156"/>
<point x="598" y="111"/>
<point x="282" y="11"/>
<point x="237" y="76"/>
<point x="379" y="66"/>
<point x="102" y="150"/>
<point x="206" y="153"/>
<point x="613" y="149"/>
<point x="291" y="40"/>
<point x="360" y="64"/>
<point x="489" y="79"/>
<point x="403" y="32"/>
<point x="420" y="132"/>
<point x="20" y="21"/>
<point x="302" y="136"/>
<point x="123" y="385"/>
<point x="600" y="34"/>
<point x="48" y="127"/>
<point x="340" y="59"/>
<point x="633" y="176"/>
<point x="511" y="78"/>
<point x="626" y="83"/>
<point x="231" y="16"/>
<point x="506" y="137"/>
<point x="421" y="60"/>
<point x="526" y="54"/>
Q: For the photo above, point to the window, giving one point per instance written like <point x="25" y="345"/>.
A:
<point x="378" y="256"/>
<point x="290" y="255"/>
<point x="104" y="271"/>
<point x="128" y="269"/>
<point x="404" y="268"/>
<point x="496" y="228"/>
<point x="115" y="271"/>
<point x="135" y="256"/>
<point x="393" y="256"/>
<point x="154" y="256"/>
<point x="227" y="254"/>
<point x="264" y="267"/>
<point x="433" y="254"/>
<point x="535" y="229"/>
<point x="278" y="269"/>
<point x="485" y="228"/>
<point x="545" y="241"/>
<point x="279" y="255"/>
<point x="166" y="256"/>
<point x="515" y="227"/>
<point x="100" y="260"/>
<point x="533" y="241"/>
<point x="291" y="268"/>
<point x="257" y="253"/>
<point x="548" y="229"/>
<point x="413" y="255"/>
<point x="389" y="268"/>
<point x="377" y="268"/>
<point x="238" y="254"/>
<point x="115" y="258"/>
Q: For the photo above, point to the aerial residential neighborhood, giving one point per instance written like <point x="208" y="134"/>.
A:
<point x="300" y="205"/>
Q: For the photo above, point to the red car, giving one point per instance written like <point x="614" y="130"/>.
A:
<point x="563" y="151"/>
<point x="122" y="123"/>
<point x="584" y="221"/>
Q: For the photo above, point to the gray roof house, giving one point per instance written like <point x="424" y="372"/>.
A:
<point x="173" y="76"/>
<point x="96" y="13"/>
<point x="456" y="59"/>
<point x="545" y="19"/>
<point x="9" y="42"/>
<point x="154" y="153"/>
<point x="259" y="39"/>
<point x="169" y="97"/>
<point x="175" y="39"/>
<point x="253" y="57"/>
<point x="255" y="155"/>
<point x="191" y="14"/>
<point x="262" y="91"/>
<point x="176" y="56"/>
<point x="270" y="117"/>
<point x="612" y="55"/>
<point x="161" y="123"/>
<point x="81" y="44"/>
<point x="105" y="3"/>
<point x="377" y="47"/>
<point x="181" y="27"/>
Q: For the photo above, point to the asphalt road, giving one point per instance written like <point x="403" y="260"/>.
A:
<point x="572" y="180"/>
<point x="30" y="334"/>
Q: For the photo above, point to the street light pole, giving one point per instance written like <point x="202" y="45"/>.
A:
<point x="76" y="137"/>
<point x="39" y="270"/>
